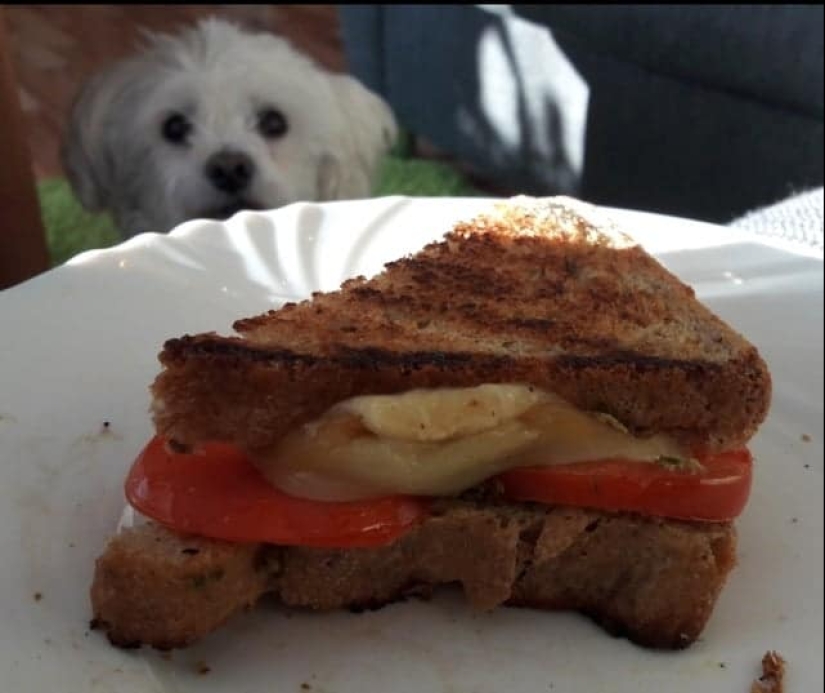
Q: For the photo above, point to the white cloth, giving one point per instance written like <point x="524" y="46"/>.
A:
<point x="798" y="218"/>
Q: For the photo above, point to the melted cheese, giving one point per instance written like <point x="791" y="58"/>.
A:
<point x="441" y="442"/>
<point x="442" y="414"/>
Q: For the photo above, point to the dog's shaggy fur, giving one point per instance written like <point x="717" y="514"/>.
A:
<point x="219" y="119"/>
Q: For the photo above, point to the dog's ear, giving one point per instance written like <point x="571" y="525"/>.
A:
<point x="370" y="130"/>
<point x="86" y="147"/>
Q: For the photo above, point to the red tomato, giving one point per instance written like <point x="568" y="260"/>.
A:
<point x="717" y="493"/>
<point x="216" y="492"/>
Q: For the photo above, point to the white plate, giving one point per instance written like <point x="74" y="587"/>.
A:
<point x="78" y="348"/>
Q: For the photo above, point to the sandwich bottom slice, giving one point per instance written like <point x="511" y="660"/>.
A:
<point x="589" y="350"/>
<point x="652" y="580"/>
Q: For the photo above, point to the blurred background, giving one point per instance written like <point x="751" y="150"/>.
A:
<point x="706" y="112"/>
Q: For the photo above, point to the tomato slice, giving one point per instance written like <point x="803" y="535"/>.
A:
<point x="216" y="492"/>
<point x="717" y="493"/>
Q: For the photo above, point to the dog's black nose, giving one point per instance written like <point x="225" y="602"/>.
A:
<point x="229" y="172"/>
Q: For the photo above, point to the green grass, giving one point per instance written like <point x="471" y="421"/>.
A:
<point x="70" y="229"/>
<point x="420" y="178"/>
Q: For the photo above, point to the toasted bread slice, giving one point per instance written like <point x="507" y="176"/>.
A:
<point x="538" y="291"/>
<point x="655" y="581"/>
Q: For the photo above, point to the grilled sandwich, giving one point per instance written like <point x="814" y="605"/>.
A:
<point x="532" y="407"/>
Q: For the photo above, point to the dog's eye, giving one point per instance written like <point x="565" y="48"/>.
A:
<point x="271" y="123"/>
<point x="176" y="128"/>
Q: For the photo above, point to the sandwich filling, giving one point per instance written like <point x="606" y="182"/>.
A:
<point x="443" y="441"/>
<point x="367" y="471"/>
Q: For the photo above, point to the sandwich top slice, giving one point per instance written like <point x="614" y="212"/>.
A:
<point x="533" y="407"/>
<point x="539" y="292"/>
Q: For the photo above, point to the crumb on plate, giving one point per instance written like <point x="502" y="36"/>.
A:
<point x="773" y="674"/>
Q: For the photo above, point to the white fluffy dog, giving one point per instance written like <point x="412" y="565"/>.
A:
<point x="218" y="119"/>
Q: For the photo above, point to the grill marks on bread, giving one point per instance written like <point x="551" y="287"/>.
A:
<point x="497" y="292"/>
<point x="531" y="292"/>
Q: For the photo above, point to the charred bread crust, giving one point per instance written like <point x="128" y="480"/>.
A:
<point x="654" y="581"/>
<point x="536" y="292"/>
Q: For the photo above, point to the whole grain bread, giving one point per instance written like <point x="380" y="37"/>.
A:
<point x="653" y="580"/>
<point x="539" y="291"/>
